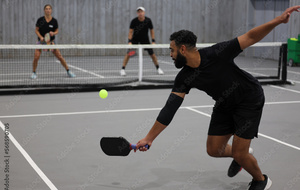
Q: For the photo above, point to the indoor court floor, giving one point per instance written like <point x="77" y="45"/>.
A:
<point x="54" y="141"/>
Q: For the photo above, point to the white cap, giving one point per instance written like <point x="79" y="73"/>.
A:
<point x="140" y="8"/>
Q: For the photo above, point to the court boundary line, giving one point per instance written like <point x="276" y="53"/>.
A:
<point x="260" y="134"/>
<point x="86" y="71"/>
<point x="125" y="110"/>
<point x="295" y="81"/>
<point x="29" y="159"/>
<point x="287" y="89"/>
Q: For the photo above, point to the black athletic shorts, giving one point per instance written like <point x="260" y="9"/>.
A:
<point x="243" y="120"/>
<point x="150" y="51"/>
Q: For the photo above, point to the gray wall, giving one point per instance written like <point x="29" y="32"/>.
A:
<point x="107" y="21"/>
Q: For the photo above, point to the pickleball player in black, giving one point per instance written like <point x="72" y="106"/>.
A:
<point x="138" y="34"/>
<point x="47" y="24"/>
<point x="239" y="97"/>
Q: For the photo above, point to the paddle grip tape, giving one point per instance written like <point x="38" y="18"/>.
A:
<point x="167" y="113"/>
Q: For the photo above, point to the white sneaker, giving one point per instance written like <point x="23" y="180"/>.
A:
<point x="33" y="76"/>
<point x="70" y="74"/>
<point x="251" y="151"/>
<point x="122" y="72"/>
<point x="159" y="71"/>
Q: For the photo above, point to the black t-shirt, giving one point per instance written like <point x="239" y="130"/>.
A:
<point x="219" y="76"/>
<point x="141" y="29"/>
<point x="45" y="27"/>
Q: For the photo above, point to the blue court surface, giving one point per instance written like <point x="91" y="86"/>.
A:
<point x="51" y="141"/>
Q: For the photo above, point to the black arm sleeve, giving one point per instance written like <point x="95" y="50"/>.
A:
<point x="167" y="113"/>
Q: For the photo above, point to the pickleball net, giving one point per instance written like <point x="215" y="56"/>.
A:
<point x="100" y="65"/>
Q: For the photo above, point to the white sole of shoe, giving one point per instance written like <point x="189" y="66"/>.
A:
<point x="269" y="184"/>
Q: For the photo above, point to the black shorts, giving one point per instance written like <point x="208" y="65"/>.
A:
<point x="243" y="120"/>
<point x="149" y="50"/>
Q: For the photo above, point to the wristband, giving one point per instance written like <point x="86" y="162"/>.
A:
<point x="153" y="40"/>
<point x="129" y="40"/>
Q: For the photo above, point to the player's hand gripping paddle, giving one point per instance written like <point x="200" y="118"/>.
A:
<point x="117" y="146"/>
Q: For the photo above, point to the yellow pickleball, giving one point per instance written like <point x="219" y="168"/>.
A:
<point x="103" y="93"/>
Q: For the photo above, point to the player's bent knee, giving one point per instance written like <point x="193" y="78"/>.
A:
<point x="213" y="152"/>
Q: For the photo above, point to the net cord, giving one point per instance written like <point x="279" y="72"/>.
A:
<point x="119" y="46"/>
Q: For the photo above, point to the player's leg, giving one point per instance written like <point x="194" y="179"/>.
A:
<point x="219" y="132"/>
<point x="125" y="61"/>
<point x="37" y="54"/>
<point x="217" y="146"/>
<point x="240" y="153"/>
<point x="58" y="55"/>
<point x="153" y="57"/>
<point x="247" y="117"/>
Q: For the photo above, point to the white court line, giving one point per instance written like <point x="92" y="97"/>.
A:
<point x="279" y="141"/>
<point x="286" y="102"/>
<point x="124" y="110"/>
<point x="294" y="72"/>
<point x="197" y="111"/>
<point x="29" y="72"/>
<point x="260" y="134"/>
<point x="82" y="78"/>
<point x="259" y="69"/>
<point x="165" y="62"/>
<point x="152" y="109"/>
<point x="97" y="112"/>
<point x="254" y="73"/>
<point x="85" y="71"/>
<point x="295" y="81"/>
<point x="29" y="159"/>
<point x="81" y="113"/>
<point x="296" y="91"/>
<point x="100" y="71"/>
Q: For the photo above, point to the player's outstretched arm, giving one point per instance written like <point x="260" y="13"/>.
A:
<point x="153" y="133"/>
<point x="258" y="33"/>
<point x="163" y="120"/>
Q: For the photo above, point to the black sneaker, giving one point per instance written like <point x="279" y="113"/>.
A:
<point x="234" y="169"/>
<point x="260" y="185"/>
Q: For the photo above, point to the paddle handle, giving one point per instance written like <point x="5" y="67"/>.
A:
<point x="133" y="146"/>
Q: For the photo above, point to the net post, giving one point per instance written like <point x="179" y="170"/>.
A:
<point x="284" y="63"/>
<point x="140" y="63"/>
<point x="279" y="63"/>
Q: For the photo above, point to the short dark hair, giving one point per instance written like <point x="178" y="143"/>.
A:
<point x="47" y="6"/>
<point x="184" y="37"/>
